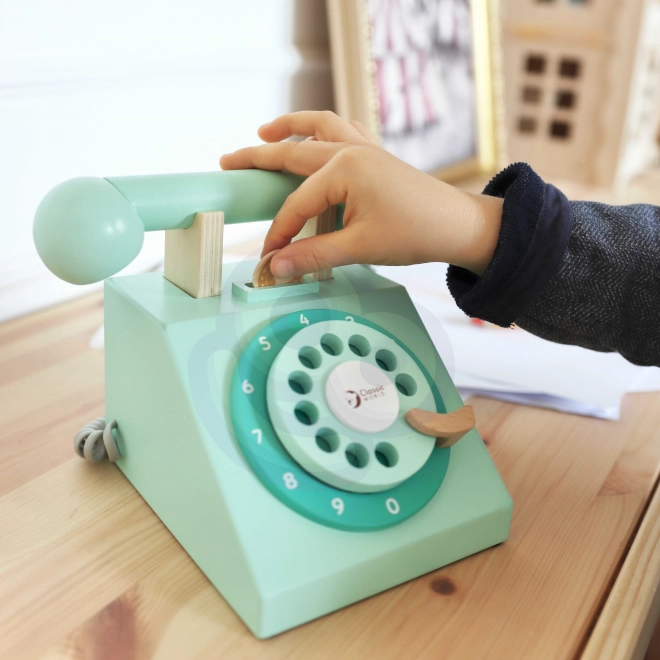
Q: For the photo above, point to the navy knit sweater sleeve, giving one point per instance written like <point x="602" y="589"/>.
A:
<point x="572" y="272"/>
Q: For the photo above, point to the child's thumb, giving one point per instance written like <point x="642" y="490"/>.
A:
<point x="309" y="255"/>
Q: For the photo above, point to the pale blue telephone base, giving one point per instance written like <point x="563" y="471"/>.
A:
<point x="169" y="366"/>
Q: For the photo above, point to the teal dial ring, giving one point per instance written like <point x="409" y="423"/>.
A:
<point x="283" y="476"/>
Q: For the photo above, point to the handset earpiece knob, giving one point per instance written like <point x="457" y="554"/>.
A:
<point x="86" y="230"/>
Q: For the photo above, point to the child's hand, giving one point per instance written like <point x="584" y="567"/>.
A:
<point x="394" y="213"/>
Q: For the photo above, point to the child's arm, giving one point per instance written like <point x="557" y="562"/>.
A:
<point x="394" y="213"/>
<point x="572" y="272"/>
<point x="605" y="293"/>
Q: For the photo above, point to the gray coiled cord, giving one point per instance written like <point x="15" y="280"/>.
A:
<point x="95" y="441"/>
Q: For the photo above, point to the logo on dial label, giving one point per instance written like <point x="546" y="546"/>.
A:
<point x="362" y="396"/>
<point x="353" y="399"/>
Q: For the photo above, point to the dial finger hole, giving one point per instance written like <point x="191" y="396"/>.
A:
<point x="406" y="384"/>
<point x="359" y="345"/>
<point x="331" y="344"/>
<point x="300" y="382"/>
<point x="357" y="455"/>
<point x="386" y="360"/>
<point x="327" y="440"/>
<point x="306" y="413"/>
<point x="309" y="357"/>
<point x="386" y="454"/>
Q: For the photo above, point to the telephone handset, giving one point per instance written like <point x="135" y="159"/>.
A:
<point x="88" y="229"/>
<point x="286" y="435"/>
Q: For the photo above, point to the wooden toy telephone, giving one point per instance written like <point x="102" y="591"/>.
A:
<point x="284" y="434"/>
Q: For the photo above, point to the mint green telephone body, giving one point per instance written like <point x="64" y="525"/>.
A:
<point x="291" y="503"/>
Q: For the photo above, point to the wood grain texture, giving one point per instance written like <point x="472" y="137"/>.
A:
<point x="626" y="624"/>
<point x="87" y="570"/>
<point x="193" y="256"/>
<point x="447" y="428"/>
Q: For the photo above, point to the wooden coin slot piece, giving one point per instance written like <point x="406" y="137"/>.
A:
<point x="263" y="276"/>
<point x="321" y="224"/>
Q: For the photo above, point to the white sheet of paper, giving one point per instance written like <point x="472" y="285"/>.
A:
<point x="515" y="364"/>
<point x="545" y="401"/>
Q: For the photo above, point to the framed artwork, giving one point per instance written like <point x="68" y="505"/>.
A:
<point x="423" y="75"/>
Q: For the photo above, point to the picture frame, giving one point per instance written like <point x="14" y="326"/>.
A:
<point x="447" y="117"/>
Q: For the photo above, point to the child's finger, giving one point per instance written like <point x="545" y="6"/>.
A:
<point x="324" y="125"/>
<point x="312" y="197"/>
<point x="364" y="132"/>
<point x="309" y="255"/>
<point x="303" y="158"/>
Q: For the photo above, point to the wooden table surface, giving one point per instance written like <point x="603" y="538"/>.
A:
<point x="87" y="570"/>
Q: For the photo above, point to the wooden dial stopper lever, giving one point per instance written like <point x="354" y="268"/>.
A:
<point x="447" y="428"/>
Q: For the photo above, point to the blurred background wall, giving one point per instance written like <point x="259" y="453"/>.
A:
<point x="136" y="86"/>
<point x="582" y="87"/>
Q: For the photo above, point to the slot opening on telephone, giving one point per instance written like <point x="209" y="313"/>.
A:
<point x="248" y="293"/>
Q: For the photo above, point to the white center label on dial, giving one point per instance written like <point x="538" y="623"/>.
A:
<point x="362" y="396"/>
